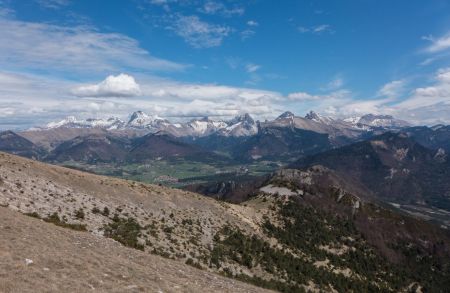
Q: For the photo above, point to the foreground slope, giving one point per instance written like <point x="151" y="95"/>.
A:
<point x="301" y="231"/>
<point x="39" y="256"/>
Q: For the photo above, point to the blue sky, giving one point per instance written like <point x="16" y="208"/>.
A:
<point x="186" y="58"/>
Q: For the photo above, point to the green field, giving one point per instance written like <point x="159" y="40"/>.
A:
<point x="176" y="173"/>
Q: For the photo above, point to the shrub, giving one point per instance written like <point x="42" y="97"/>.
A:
<point x="79" y="214"/>
<point x="125" y="231"/>
<point x="54" y="218"/>
<point x="105" y="211"/>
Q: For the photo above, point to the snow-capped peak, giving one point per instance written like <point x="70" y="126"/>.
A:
<point x="243" y="118"/>
<point x="373" y="120"/>
<point x="242" y="125"/>
<point x="313" y="116"/>
<point x="140" y="119"/>
<point x="352" y="120"/>
<point x="73" y="122"/>
<point x="286" y="115"/>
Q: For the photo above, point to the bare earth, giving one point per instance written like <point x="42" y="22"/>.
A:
<point x="63" y="260"/>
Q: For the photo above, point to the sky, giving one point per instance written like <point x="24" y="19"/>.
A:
<point x="181" y="59"/>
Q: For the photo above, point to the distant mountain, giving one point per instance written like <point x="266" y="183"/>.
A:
<point x="13" y="143"/>
<point x="339" y="131"/>
<point x="286" y="138"/>
<point x="163" y="146"/>
<point x="436" y="137"/>
<point x="393" y="167"/>
<point x="73" y="122"/>
<point x="95" y="148"/>
<point x="140" y="120"/>
<point x="240" y="126"/>
<point x="276" y="143"/>
<point x="160" y="145"/>
<point x="48" y="139"/>
<point x="377" y="121"/>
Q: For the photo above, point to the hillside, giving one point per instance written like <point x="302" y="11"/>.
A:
<point x="295" y="234"/>
<point x="63" y="260"/>
<point x="92" y="149"/>
<point x="394" y="168"/>
<point x="15" y="144"/>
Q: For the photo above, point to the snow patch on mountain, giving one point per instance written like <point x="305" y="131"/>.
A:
<point x="72" y="122"/>
<point x="373" y="120"/>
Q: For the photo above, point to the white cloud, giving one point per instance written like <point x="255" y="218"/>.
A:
<point x="303" y="96"/>
<point x="252" y="23"/>
<point x="336" y="83"/>
<point x="435" y="94"/>
<point x="392" y="89"/>
<point x="41" y="46"/>
<point x="122" y="85"/>
<point x="321" y="28"/>
<point x="425" y="105"/>
<point x="197" y="33"/>
<point x="246" y="34"/>
<point x="427" y="61"/>
<point x="53" y="4"/>
<point x="438" y="45"/>
<point x="250" y="67"/>
<point x="317" y="30"/>
<point x="303" y="29"/>
<point x="216" y="7"/>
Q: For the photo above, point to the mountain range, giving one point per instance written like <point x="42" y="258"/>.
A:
<point x="242" y="125"/>
<point x="292" y="204"/>
<point x="242" y="138"/>
<point x="405" y="166"/>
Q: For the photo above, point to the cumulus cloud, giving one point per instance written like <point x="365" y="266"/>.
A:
<point x="29" y="45"/>
<point x="198" y="33"/>
<point x="252" y="23"/>
<point x="122" y="85"/>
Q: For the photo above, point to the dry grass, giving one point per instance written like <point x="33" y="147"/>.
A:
<point x="69" y="261"/>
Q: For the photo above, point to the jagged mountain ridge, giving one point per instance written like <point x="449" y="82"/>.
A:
<point x="242" y="125"/>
